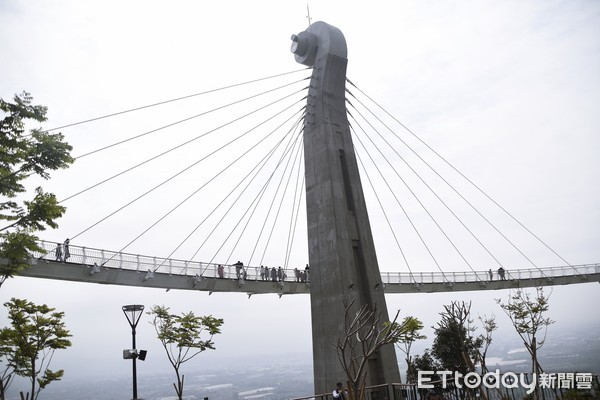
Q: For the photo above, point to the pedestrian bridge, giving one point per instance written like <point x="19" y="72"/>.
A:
<point x="91" y="265"/>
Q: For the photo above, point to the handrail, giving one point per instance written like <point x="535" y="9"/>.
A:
<point x="384" y="387"/>
<point x="137" y="262"/>
<point x="410" y="391"/>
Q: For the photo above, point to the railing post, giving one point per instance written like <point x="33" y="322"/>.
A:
<point x="120" y="260"/>
<point x="137" y="264"/>
<point x="102" y="256"/>
<point x="84" y="256"/>
<point x="185" y="268"/>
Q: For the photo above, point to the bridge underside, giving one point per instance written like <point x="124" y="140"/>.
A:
<point x="126" y="277"/>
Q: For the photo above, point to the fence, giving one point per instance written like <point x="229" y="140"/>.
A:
<point x="395" y="391"/>
<point x="398" y="391"/>
<point x="136" y="262"/>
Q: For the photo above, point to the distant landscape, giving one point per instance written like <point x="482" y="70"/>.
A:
<point x="575" y="349"/>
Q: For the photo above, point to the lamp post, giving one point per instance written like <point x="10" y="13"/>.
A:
<point x="133" y="312"/>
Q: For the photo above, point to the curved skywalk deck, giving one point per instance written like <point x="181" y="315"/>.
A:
<point x="111" y="268"/>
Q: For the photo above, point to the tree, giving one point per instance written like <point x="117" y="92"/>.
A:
<point x="27" y="346"/>
<point x="427" y="362"/>
<point x="22" y="156"/>
<point x="455" y="345"/>
<point x="6" y="353"/>
<point x="364" y="334"/>
<point x="412" y="333"/>
<point x="527" y="315"/>
<point x="181" y="337"/>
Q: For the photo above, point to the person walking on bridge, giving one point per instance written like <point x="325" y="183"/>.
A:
<point x="238" y="269"/>
<point x="58" y="252"/>
<point x="66" y="248"/>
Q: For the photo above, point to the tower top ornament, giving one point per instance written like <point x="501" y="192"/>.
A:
<point x="318" y="40"/>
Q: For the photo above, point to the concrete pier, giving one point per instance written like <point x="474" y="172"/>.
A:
<point x="343" y="263"/>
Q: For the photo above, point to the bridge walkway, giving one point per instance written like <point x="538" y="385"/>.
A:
<point x="114" y="268"/>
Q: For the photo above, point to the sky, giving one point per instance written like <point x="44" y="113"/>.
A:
<point x="506" y="91"/>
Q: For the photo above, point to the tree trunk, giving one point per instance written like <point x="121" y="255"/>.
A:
<point x="534" y="368"/>
<point x="33" y="379"/>
<point x="179" y="386"/>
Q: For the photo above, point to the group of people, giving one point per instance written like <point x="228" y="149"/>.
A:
<point x="501" y="274"/>
<point x="62" y="252"/>
<point x="272" y="274"/>
<point x="240" y="271"/>
<point x="275" y="274"/>
<point x="302" y="276"/>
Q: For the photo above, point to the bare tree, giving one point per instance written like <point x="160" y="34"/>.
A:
<point x="364" y="334"/>
<point x="489" y="326"/>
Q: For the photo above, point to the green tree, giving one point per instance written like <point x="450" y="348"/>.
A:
<point x="413" y="327"/>
<point x="27" y="346"/>
<point x="6" y="355"/>
<point x="427" y="362"/>
<point x="21" y="156"/>
<point x="527" y="314"/>
<point x="183" y="337"/>
<point x="455" y="345"/>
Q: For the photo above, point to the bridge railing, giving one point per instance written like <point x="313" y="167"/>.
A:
<point x="567" y="388"/>
<point x="146" y="264"/>
<point x="484" y="276"/>
<point x="110" y="259"/>
<point x="394" y="391"/>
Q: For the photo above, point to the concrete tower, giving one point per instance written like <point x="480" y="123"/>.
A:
<point x="343" y="263"/>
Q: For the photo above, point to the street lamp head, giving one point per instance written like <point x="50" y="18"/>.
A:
<point x="133" y="312"/>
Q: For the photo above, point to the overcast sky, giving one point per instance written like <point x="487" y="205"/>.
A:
<point x="507" y="91"/>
